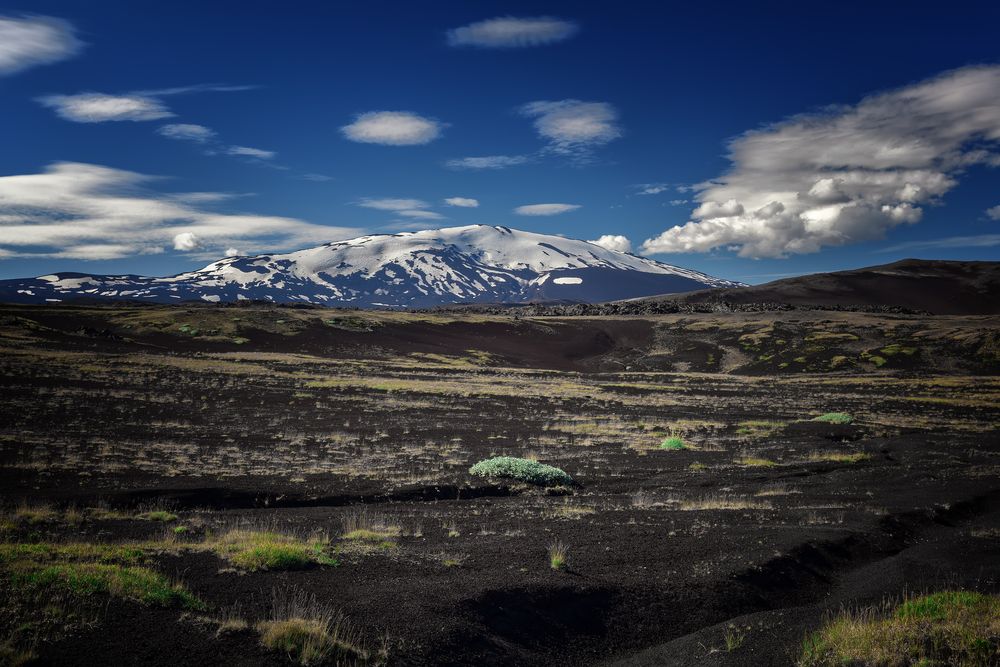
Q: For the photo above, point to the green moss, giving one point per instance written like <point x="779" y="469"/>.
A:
<point x="522" y="470"/>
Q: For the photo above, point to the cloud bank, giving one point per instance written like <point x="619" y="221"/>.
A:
<point x="87" y="211"/>
<point x="392" y="128"/>
<point x="510" y="33"/>
<point x="29" y="41"/>
<point x="847" y="174"/>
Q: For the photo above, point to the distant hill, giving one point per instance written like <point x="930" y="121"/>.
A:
<point x="934" y="286"/>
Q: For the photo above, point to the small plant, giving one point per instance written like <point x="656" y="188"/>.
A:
<point x="159" y="515"/>
<point x="522" y="470"/>
<point x="558" y="552"/>
<point x="267" y="550"/>
<point x="734" y="638"/>
<point x="756" y="462"/>
<point x="673" y="443"/>
<point x="180" y="530"/>
<point x="364" y="525"/>
<point x="834" y="418"/>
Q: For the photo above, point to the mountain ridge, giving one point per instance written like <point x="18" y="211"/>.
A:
<point x="470" y="264"/>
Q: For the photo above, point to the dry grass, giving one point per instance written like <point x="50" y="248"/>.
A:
<point x="721" y="502"/>
<point x="839" y="457"/>
<point x="558" y="553"/>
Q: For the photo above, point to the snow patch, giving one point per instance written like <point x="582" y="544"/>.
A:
<point x="568" y="281"/>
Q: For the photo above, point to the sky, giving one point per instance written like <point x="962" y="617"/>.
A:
<point x="751" y="141"/>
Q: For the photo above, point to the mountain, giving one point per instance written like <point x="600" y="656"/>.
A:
<point x="934" y="286"/>
<point x="477" y="264"/>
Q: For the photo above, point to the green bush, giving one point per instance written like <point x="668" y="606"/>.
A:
<point x="834" y="418"/>
<point x="522" y="470"/>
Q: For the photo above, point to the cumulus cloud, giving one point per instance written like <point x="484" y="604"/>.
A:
<point x="28" y="41"/>
<point x="615" y="242"/>
<point x="100" y="108"/>
<point x="186" y="241"/>
<point x="246" y="151"/>
<point x="846" y="174"/>
<point x="392" y="128"/>
<point x="89" y="211"/>
<point x="572" y="127"/>
<point x="545" y="209"/>
<point x="993" y="213"/>
<point x="487" y="162"/>
<point x="187" y="132"/>
<point x="510" y="32"/>
<point x="462" y="202"/>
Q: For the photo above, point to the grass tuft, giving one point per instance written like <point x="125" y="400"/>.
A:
<point x="673" y="443"/>
<point x="268" y="550"/>
<point x="309" y="632"/>
<point x="834" y="418"/>
<point x="558" y="553"/>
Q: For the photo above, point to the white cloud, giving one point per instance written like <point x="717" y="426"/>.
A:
<point x="28" y="41"/>
<point x="678" y="202"/>
<point x="511" y="32"/>
<point x="487" y="162"/>
<point x="462" y="202"/>
<point x="186" y="241"/>
<point x="993" y="213"/>
<point x="100" y="108"/>
<point x="614" y="242"/>
<point x="187" y="132"/>
<point x="846" y="174"/>
<point x="246" y="151"/>
<point x="93" y="212"/>
<point x="545" y="209"/>
<point x="392" y="204"/>
<point x="392" y="128"/>
<point x="573" y="127"/>
<point x="652" y="188"/>
<point x="233" y="252"/>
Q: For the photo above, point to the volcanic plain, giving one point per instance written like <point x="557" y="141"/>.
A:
<point x="182" y="484"/>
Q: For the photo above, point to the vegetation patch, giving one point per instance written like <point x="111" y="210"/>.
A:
<point x="756" y="462"/>
<point x="834" y="418"/>
<point x="839" y="457"/>
<point x="945" y="628"/>
<point x="673" y="443"/>
<point x="759" y="428"/>
<point x="139" y="584"/>
<point x="158" y="515"/>
<point x="522" y="470"/>
<point x="896" y="348"/>
<point x="267" y="550"/>
<point x="558" y="553"/>
<point x="311" y="633"/>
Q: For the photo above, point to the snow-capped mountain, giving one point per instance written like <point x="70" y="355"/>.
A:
<point x="476" y="263"/>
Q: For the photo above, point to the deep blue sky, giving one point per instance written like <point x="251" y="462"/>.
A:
<point x="682" y="79"/>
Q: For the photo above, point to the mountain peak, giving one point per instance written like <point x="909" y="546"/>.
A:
<point x="473" y="263"/>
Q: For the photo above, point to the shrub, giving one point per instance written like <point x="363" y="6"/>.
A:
<point x="834" y="418"/>
<point x="523" y="470"/>
<point x="949" y="627"/>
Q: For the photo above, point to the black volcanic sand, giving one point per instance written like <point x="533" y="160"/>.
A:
<point x="292" y="419"/>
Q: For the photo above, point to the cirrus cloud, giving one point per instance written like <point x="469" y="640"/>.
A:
<point x="29" y="41"/>
<point x="488" y="162"/>
<point x="847" y="174"/>
<point x="392" y="128"/>
<point x="187" y="132"/>
<point x="508" y="32"/>
<point x="545" y="209"/>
